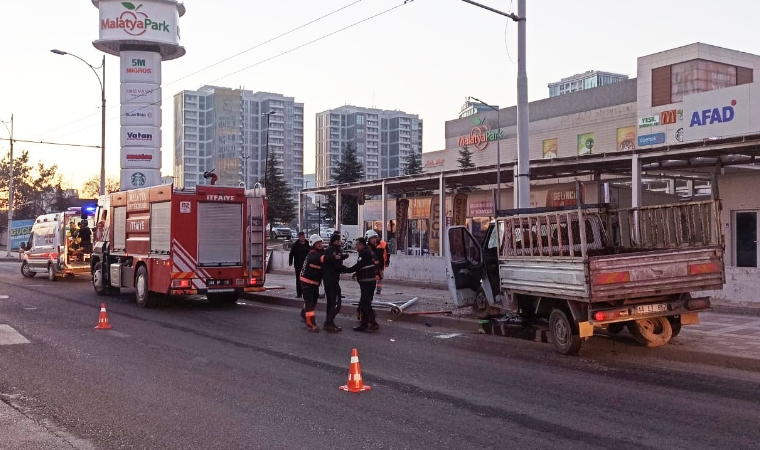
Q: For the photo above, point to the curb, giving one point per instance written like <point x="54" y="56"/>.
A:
<point x="460" y="324"/>
<point x="737" y="310"/>
<point x="595" y="347"/>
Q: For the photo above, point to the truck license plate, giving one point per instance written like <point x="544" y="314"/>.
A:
<point x="210" y="282"/>
<point x="649" y="309"/>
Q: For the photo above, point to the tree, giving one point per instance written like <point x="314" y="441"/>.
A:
<point x="465" y="158"/>
<point x="349" y="170"/>
<point x="413" y="164"/>
<point x="91" y="188"/>
<point x="31" y="186"/>
<point x="280" y="204"/>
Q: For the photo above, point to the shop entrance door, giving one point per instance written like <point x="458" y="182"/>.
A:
<point x="745" y="238"/>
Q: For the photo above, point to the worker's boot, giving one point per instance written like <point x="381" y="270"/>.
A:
<point x="311" y="323"/>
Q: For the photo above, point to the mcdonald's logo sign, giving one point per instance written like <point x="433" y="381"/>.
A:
<point x="671" y="116"/>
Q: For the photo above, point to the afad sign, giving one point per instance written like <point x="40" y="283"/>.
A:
<point x="134" y="22"/>
<point x="713" y="116"/>
<point x="480" y="135"/>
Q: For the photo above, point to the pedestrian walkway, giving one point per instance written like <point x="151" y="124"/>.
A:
<point x="717" y="333"/>
<point x="19" y="432"/>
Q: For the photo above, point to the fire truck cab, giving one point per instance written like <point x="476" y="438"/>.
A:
<point x="208" y="240"/>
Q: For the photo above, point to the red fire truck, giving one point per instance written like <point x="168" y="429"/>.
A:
<point x="208" y="240"/>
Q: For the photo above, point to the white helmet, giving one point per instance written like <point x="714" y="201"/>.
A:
<point x="314" y="238"/>
<point x="370" y="234"/>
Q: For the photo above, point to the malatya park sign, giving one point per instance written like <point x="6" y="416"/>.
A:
<point x="480" y="135"/>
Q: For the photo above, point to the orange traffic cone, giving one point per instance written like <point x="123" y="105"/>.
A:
<point x="355" y="382"/>
<point x="103" y="321"/>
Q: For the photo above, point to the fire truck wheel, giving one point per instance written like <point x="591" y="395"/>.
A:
<point x="228" y="298"/>
<point x="26" y="272"/>
<point x="142" y="294"/>
<point x="97" y="281"/>
<point x="565" y="338"/>
<point x="651" y="332"/>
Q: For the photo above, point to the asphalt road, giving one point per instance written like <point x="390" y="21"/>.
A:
<point x="190" y="376"/>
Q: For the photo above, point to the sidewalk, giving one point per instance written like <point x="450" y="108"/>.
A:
<point x="19" y="432"/>
<point x="719" y="339"/>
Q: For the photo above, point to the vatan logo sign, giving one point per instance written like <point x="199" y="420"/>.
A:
<point x="480" y="135"/>
<point x="138" y="179"/>
<point x="133" y="21"/>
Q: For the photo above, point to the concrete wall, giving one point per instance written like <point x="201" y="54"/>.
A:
<point x="428" y="270"/>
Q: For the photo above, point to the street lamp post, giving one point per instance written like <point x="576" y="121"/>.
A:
<point x="522" y="177"/>
<point x="306" y="210"/>
<point x="266" y="152"/>
<point x="498" y="155"/>
<point x="10" y="189"/>
<point x="102" y="81"/>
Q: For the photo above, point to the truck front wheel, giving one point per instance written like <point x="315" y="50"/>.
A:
<point x="564" y="336"/>
<point x="101" y="288"/>
<point x="143" y="296"/>
<point x="651" y="332"/>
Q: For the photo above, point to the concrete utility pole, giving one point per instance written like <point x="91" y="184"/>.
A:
<point x="10" y="190"/>
<point x="522" y="177"/>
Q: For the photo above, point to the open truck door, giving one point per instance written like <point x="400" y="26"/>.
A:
<point x="464" y="265"/>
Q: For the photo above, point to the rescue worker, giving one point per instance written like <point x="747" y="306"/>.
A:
<point x="333" y="267"/>
<point x="85" y="236"/>
<point x="365" y="271"/>
<point x="298" y="252"/>
<point x="380" y="248"/>
<point x="311" y="278"/>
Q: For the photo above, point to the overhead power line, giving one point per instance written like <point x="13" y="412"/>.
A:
<point x="293" y="30"/>
<point x="61" y="144"/>
<point x="313" y="41"/>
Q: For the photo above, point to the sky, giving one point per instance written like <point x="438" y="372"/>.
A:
<point x="425" y="57"/>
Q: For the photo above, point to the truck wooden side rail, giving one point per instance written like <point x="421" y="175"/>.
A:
<point x="623" y="254"/>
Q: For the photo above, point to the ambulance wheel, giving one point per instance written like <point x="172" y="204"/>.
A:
<point x="227" y="298"/>
<point x="26" y="271"/>
<point x="143" y="296"/>
<point x="97" y="281"/>
<point x="51" y="273"/>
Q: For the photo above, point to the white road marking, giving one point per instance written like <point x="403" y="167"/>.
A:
<point x="448" y="336"/>
<point x="9" y="336"/>
<point x="4" y="297"/>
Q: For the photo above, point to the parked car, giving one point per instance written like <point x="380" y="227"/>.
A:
<point x="294" y="234"/>
<point x="281" y="233"/>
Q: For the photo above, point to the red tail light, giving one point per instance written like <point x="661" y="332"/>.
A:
<point x="601" y="316"/>
<point x="181" y="283"/>
<point x="253" y="281"/>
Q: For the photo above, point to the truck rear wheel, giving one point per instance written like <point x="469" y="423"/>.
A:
<point x="227" y="298"/>
<point x="143" y="296"/>
<point x="651" y="332"/>
<point x="564" y="335"/>
<point x="675" y="323"/>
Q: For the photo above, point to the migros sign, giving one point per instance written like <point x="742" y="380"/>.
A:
<point x="134" y="22"/>
<point x="480" y="135"/>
